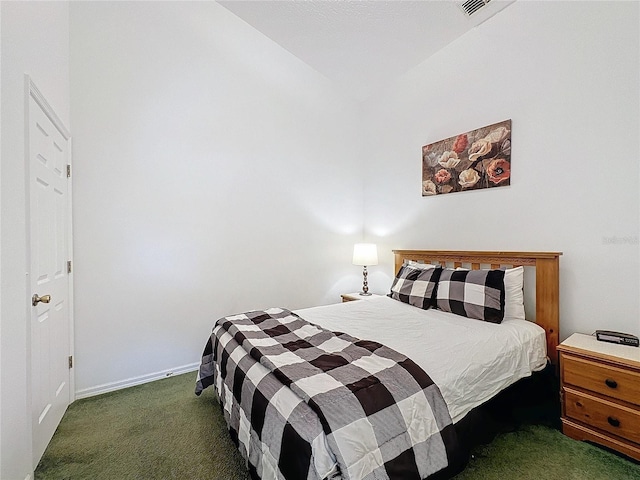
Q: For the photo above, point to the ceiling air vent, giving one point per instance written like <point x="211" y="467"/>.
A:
<point x="472" y="6"/>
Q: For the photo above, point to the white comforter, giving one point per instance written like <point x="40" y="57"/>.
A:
<point x="470" y="360"/>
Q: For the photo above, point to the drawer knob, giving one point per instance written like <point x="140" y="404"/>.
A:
<point x="611" y="383"/>
<point x="614" y="422"/>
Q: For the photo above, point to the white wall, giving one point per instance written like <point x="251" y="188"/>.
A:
<point x="35" y="40"/>
<point x="567" y="74"/>
<point x="213" y="173"/>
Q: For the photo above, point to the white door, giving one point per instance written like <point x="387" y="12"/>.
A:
<point x="48" y="157"/>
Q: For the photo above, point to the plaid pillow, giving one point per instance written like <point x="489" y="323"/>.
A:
<point x="416" y="285"/>
<point x="475" y="294"/>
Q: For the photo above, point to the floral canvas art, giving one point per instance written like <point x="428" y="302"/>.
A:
<point x="470" y="161"/>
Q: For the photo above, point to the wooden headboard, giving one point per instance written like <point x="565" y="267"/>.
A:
<point x="547" y="279"/>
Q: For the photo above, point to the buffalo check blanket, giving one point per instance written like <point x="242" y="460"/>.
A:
<point x="302" y="402"/>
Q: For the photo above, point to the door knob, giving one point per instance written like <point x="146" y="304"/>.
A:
<point x="44" y="299"/>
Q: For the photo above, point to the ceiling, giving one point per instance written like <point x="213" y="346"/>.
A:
<point x="361" y="44"/>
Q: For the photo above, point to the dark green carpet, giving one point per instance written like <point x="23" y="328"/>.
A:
<point x="161" y="430"/>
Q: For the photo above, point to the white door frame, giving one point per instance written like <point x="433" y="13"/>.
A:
<point x="32" y="91"/>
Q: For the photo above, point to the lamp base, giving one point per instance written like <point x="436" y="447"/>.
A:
<point x="365" y="285"/>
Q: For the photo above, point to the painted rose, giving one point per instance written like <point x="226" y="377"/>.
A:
<point x="442" y="176"/>
<point x="428" y="188"/>
<point x="479" y="148"/>
<point x="505" y="148"/>
<point x="497" y="135"/>
<point x="461" y="143"/>
<point x="499" y="170"/>
<point x="449" y="160"/>
<point x="468" y="178"/>
<point x="431" y="160"/>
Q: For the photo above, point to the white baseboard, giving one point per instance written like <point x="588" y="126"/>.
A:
<point x="130" y="382"/>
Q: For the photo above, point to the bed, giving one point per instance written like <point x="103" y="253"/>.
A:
<point x="375" y="388"/>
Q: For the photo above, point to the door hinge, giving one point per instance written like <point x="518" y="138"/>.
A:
<point x="69" y="266"/>
<point x="70" y="361"/>
<point x="68" y="171"/>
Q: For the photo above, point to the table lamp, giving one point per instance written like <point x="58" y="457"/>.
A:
<point x="365" y="254"/>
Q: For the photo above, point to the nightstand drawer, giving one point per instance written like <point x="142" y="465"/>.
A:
<point x="602" y="414"/>
<point x="605" y="379"/>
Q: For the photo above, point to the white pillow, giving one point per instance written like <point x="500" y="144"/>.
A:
<point x="513" y="293"/>
<point x="420" y="266"/>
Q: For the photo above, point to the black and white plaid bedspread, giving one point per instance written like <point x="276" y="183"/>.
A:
<point x="302" y="402"/>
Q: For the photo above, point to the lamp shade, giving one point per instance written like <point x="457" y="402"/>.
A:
<point x="365" y="254"/>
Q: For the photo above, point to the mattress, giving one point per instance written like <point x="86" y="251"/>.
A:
<point x="471" y="361"/>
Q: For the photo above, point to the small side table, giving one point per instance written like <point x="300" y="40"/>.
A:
<point x="350" y="297"/>
<point x="601" y="393"/>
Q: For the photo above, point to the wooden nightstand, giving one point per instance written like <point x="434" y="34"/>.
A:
<point x="600" y="393"/>
<point x="350" y="297"/>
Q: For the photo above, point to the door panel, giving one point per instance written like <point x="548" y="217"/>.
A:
<point x="49" y="208"/>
